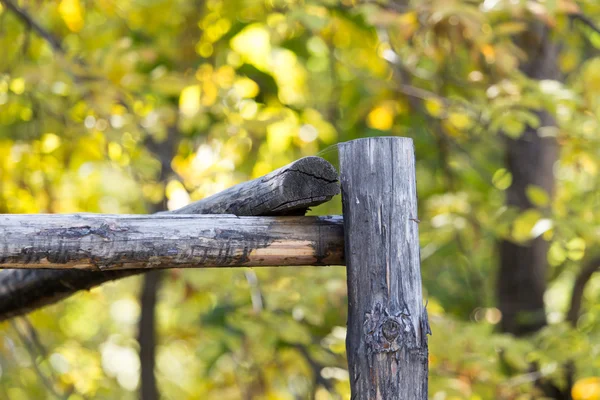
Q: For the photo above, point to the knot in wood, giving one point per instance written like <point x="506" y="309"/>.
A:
<point x="390" y="329"/>
<point x="387" y="331"/>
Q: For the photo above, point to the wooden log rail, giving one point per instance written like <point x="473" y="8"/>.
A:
<point x="290" y="190"/>
<point x="114" y="242"/>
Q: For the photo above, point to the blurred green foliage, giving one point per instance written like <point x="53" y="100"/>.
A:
<point x="238" y="88"/>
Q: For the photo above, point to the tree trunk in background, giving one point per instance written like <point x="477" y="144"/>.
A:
<point x="521" y="280"/>
<point x="164" y="152"/>
<point x="147" y="335"/>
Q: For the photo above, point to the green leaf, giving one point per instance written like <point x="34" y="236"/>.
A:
<point x="502" y="179"/>
<point x="537" y="196"/>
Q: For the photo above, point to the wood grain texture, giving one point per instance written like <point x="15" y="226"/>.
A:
<point x="24" y="290"/>
<point x="387" y="322"/>
<point x="113" y="242"/>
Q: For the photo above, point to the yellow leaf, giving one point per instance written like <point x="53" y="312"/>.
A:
<point x="510" y="28"/>
<point x="246" y="87"/>
<point x="408" y="23"/>
<point x="568" y="60"/>
<point x="537" y="196"/>
<point x="210" y="93"/>
<point x="513" y="128"/>
<point x="556" y="254"/>
<point x="109" y="7"/>
<point x="381" y="117"/>
<point x="114" y="151"/>
<point x="50" y="142"/>
<point x="591" y="76"/>
<point x="253" y="43"/>
<point x="72" y="13"/>
<point x="452" y="130"/>
<point x="459" y="120"/>
<point x="17" y="85"/>
<point x="576" y="249"/>
<point x="548" y="235"/>
<point x="261" y="168"/>
<point x="523" y="226"/>
<point x="280" y="135"/>
<point x="489" y="53"/>
<point x="586" y="389"/>
<point x="189" y="100"/>
<point x="588" y="164"/>
<point x="434" y="107"/>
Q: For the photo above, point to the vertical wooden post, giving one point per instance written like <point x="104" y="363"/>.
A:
<point x="387" y="322"/>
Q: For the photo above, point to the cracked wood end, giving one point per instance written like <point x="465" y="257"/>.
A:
<point x="290" y="190"/>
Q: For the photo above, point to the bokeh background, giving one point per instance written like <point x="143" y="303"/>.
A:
<point x="137" y="106"/>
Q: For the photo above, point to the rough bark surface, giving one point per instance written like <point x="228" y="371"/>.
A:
<point x="521" y="282"/>
<point x="387" y="322"/>
<point x="24" y="290"/>
<point x="287" y="191"/>
<point x="113" y="242"/>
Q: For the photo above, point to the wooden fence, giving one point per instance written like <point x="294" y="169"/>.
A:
<point x="260" y="223"/>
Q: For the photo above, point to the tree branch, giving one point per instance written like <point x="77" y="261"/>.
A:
<point x="30" y="22"/>
<point x="34" y="352"/>
<point x="585" y="20"/>
<point x="579" y="287"/>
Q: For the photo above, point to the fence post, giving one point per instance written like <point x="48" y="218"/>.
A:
<point x="387" y="322"/>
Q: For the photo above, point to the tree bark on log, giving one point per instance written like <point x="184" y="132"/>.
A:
<point x="387" y="322"/>
<point x="24" y="290"/>
<point x="290" y="190"/>
<point x="114" y="242"/>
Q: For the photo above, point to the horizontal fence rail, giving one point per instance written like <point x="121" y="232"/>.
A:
<point x="289" y="190"/>
<point x="113" y="242"/>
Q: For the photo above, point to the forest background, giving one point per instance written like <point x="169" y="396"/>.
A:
<point x="138" y="106"/>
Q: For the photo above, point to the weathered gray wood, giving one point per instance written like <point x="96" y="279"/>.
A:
<point x="287" y="191"/>
<point x="112" y="242"/>
<point x="387" y="322"/>
<point x="24" y="290"/>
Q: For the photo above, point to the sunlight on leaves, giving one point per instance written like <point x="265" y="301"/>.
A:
<point x="381" y="117"/>
<point x="189" y="100"/>
<point x="586" y="389"/>
<point x="72" y="14"/>
<point x="50" y="142"/>
<point x="254" y="44"/>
